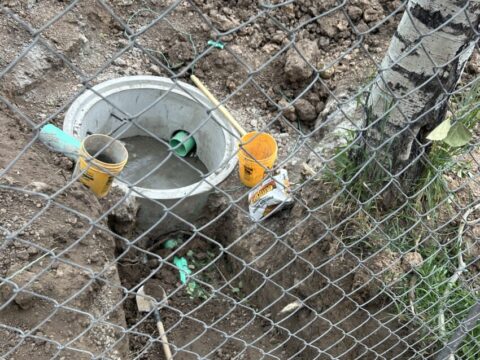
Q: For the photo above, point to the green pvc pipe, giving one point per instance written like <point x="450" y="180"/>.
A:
<point x="182" y="143"/>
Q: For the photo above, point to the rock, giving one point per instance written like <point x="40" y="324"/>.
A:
<point x="279" y="37"/>
<point x="120" y="62"/>
<point x="323" y="42"/>
<point x="232" y="82"/>
<point x="313" y="97"/>
<point x="371" y="15"/>
<point x="305" y="110"/>
<point x="342" y="25"/>
<point x="31" y="69"/>
<point x="473" y="66"/>
<point x="354" y="12"/>
<point x="381" y="269"/>
<point x="40" y="187"/>
<point x="411" y="261"/>
<point x="224" y="60"/>
<point x="328" y="26"/>
<point x="82" y="38"/>
<point x="340" y="115"/>
<point x="121" y="43"/>
<point x="98" y="15"/>
<point x="64" y="162"/>
<point x="289" y="111"/>
<point x="222" y="22"/>
<point x="69" y="38"/>
<point x="362" y="27"/>
<point x="296" y="68"/>
<point x="270" y="49"/>
<point x="22" y="298"/>
<point x="255" y="40"/>
<point x="155" y="69"/>
<point x="320" y="107"/>
<point x="32" y="251"/>
<point x="22" y="255"/>
<point x="327" y="73"/>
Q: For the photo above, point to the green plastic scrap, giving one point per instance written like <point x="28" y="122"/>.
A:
<point x="182" y="265"/>
<point x="218" y="44"/>
<point x="193" y="289"/>
<point x="170" y="244"/>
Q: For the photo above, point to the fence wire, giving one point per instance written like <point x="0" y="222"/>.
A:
<point x="371" y="251"/>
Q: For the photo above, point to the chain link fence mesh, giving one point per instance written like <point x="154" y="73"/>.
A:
<point x="350" y="268"/>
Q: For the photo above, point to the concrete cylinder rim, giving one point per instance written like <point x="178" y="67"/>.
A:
<point x="88" y="99"/>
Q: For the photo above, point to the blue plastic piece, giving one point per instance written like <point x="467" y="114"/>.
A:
<point x="182" y="265"/>
<point x="216" y="44"/>
<point x="170" y="244"/>
<point x="59" y="141"/>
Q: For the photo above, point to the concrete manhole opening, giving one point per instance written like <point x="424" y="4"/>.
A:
<point x="159" y="108"/>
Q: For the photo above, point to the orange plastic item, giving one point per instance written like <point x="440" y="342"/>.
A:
<point x="257" y="152"/>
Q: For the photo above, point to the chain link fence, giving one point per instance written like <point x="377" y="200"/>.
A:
<point x="371" y="250"/>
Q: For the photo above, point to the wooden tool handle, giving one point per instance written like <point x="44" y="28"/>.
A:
<point x="215" y="102"/>
<point x="163" y="336"/>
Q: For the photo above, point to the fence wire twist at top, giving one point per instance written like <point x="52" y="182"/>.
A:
<point x="373" y="253"/>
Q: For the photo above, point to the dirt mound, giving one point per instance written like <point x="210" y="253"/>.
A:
<point x="58" y="268"/>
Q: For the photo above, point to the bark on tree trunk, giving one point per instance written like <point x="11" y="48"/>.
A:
<point x="426" y="57"/>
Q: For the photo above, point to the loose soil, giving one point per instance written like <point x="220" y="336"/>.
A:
<point x="58" y="267"/>
<point x="213" y="321"/>
<point x="61" y="265"/>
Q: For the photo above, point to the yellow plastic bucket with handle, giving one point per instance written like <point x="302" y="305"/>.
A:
<point x="100" y="159"/>
<point x="257" y="151"/>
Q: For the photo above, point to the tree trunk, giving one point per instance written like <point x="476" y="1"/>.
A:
<point x="421" y="69"/>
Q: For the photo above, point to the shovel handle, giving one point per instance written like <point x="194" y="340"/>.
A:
<point x="215" y="102"/>
<point x="163" y="337"/>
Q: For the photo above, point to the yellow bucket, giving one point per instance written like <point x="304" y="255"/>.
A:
<point x="257" y="152"/>
<point x="100" y="159"/>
